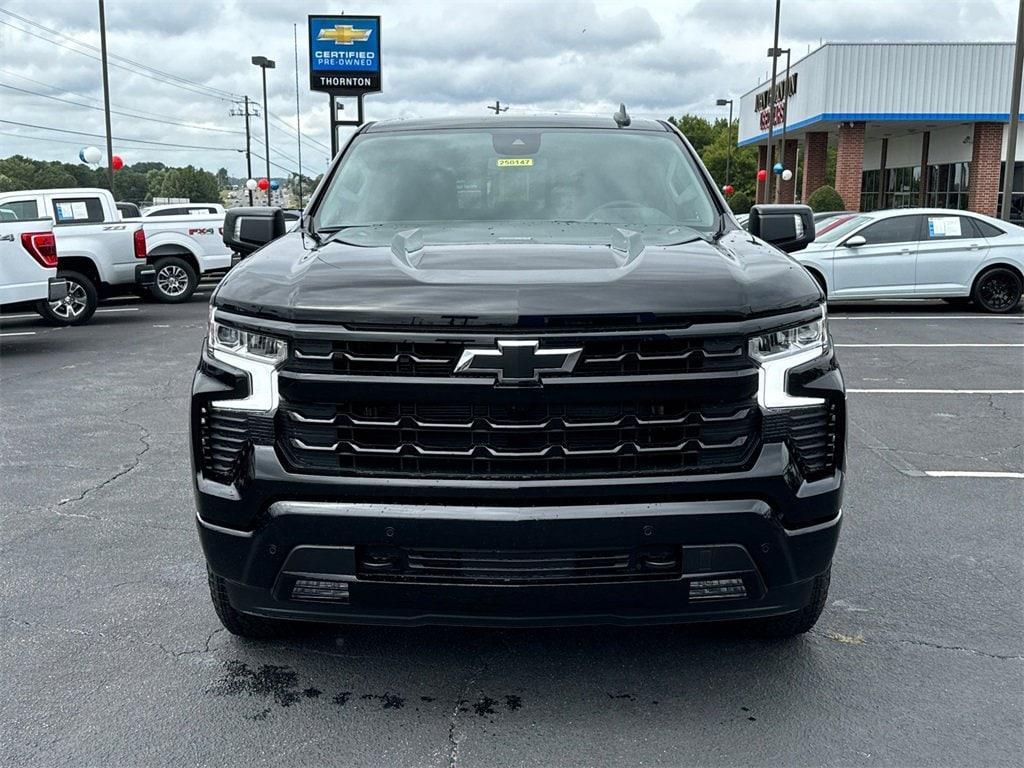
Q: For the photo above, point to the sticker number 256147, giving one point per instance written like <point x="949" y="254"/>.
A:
<point x="514" y="162"/>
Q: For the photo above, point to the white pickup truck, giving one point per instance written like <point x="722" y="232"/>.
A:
<point x="175" y="250"/>
<point x="28" y="264"/>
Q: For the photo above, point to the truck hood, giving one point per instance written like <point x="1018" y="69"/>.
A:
<point x="502" y="284"/>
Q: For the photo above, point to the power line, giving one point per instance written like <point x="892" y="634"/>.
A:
<point x="79" y="143"/>
<point x="132" y="62"/>
<point x="118" y="112"/>
<point x="132" y="69"/>
<point x="120" y="138"/>
<point x="288" y="125"/>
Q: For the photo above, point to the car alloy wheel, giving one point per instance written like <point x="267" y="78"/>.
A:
<point x="73" y="305"/>
<point x="172" y="280"/>
<point x="999" y="291"/>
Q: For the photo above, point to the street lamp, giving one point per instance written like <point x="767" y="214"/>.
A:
<point x="264" y="63"/>
<point x="728" y="154"/>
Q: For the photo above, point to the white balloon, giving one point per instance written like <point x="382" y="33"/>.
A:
<point x="251" y="184"/>
<point x="787" y="175"/>
<point x="92" y="155"/>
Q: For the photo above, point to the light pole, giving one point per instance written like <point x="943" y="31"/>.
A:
<point x="728" y="153"/>
<point x="771" y="101"/>
<point x="264" y="63"/>
<point x="785" y="115"/>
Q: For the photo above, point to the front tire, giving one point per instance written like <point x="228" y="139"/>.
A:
<point x="793" y="624"/>
<point x="997" y="290"/>
<point x="77" y="307"/>
<point x="242" y="624"/>
<point x="175" y="280"/>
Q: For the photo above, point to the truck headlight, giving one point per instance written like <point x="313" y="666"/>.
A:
<point x="257" y="354"/>
<point x="778" y="352"/>
<point x="791" y="341"/>
<point x="253" y="346"/>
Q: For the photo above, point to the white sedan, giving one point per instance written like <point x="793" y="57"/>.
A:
<point x="920" y="253"/>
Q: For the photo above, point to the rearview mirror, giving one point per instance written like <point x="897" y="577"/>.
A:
<point x="854" y="241"/>
<point x="248" y="229"/>
<point x="788" y="227"/>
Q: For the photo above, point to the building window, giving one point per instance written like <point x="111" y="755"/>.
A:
<point x="947" y="186"/>
<point x="869" y="190"/>
<point x="1017" y="196"/>
<point x="902" y="187"/>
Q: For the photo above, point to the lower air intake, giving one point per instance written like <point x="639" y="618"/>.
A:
<point x="320" y="591"/>
<point x="717" y="589"/>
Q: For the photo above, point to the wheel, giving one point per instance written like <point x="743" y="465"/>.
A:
<point x="997" y="290"/>
<point x="242" y="624"/>
<point x="77" y="307"/>
<point x="792" y="624"/>
<point x="175" y="281"/>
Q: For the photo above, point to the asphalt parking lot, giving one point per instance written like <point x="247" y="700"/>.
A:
<point x="111" y="653"/>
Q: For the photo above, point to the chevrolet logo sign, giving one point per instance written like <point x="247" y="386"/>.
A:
<point x="518" y="361"/>
<point x="344" y="34"/>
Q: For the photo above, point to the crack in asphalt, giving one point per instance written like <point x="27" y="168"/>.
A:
<point x="191" y="651"/>
<point x="860" y="639"/>
<point x="453" y="741"/>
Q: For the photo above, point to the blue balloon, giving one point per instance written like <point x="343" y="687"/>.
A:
<point x="777" y="169"/>
<point x="274" y="184"/>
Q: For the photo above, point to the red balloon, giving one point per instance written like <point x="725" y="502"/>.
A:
<point x="762" y="175"/>
<point x="116" y="163"/>
<point x="728" y="189"/>
<point x="263" y="184"/>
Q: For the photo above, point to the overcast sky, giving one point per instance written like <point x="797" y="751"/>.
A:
<point x="438" y="58"/>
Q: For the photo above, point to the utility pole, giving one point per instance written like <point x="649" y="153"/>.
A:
<point x="106" y="97"/>
<point x="498" y="109"/>
<point x="774" y="54"/>
<point x="298" y="115"/>
<point x="264" y="64"/>
<point x="248" y="141"/>
<point x="1011" y="138"/>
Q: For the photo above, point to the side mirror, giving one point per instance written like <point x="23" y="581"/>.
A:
<point x="854" y="241"/>
<point x="787" y="227"/>
<point x="248" y="229"/>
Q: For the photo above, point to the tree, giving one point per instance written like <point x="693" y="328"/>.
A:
<point x="223" y="180"/>
<point x="739" y="203"/>
<point x="743" y="171"/>
<point x="197" y="185"/>
<point x="696" y="129"/>
<point x="129" y="185"/>
<point x="825" y="199"/>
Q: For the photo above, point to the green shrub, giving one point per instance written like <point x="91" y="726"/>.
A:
<point x="739" y="202"/>
<point x="825" y="199"/>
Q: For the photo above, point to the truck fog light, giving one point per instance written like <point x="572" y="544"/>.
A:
<point x="320" y="591"/>
<point x="717" y="589"/>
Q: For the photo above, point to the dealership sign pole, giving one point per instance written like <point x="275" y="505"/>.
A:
<point x="344" y="61"/>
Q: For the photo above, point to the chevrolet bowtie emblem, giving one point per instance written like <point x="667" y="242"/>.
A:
<point x="345" y="34"/>
<point x="518" y="361"/>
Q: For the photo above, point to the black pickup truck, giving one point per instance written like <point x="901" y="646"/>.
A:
<point x="518" y="371"/>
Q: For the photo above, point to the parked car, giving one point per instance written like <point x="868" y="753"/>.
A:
<point x="921" y="253"/>
<point x="822" y="215"/>
<point x="28" y="266"/>
<point x="184" y="209"/>
<point x="128" y="210"/>
<point x="92" y="254"/>
<point x="527" y="373"/>
<point x="175" y="250"/>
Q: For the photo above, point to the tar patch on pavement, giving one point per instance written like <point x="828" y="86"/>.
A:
<point x="268" y="680"/>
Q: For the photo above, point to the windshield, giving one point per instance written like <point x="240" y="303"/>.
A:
<point x="558" y="185"/>
<point x="830" y="231"/>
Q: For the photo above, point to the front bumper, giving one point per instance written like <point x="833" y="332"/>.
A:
<point x="323" y="543"/>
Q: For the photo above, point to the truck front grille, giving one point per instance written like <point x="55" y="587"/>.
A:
<point x="602" y="356"/>
<point x="529" y="440"/>
<point x="517" y="567"/>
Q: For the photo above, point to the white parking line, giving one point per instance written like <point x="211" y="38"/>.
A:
<point x="20" y="333"/>
<point x="854" y="346"/>
<point x="935" y="391"/>
<point x="962" y="473"/>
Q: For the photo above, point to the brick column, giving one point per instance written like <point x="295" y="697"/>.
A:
<point x="815" y="161"/>
<point x="850" y="164"/>
<point x="785" y="189"/>
<point x="762" y="158"/>
<point x="986" y="154"/>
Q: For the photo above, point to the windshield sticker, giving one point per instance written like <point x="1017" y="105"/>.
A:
<point x="944" y="226"/>
<point x="514" y="162"/>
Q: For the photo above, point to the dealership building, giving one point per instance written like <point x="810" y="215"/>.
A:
<point x="914" y="124"/>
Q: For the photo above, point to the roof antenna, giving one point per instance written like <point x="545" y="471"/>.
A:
<point x="621" y="117"/>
